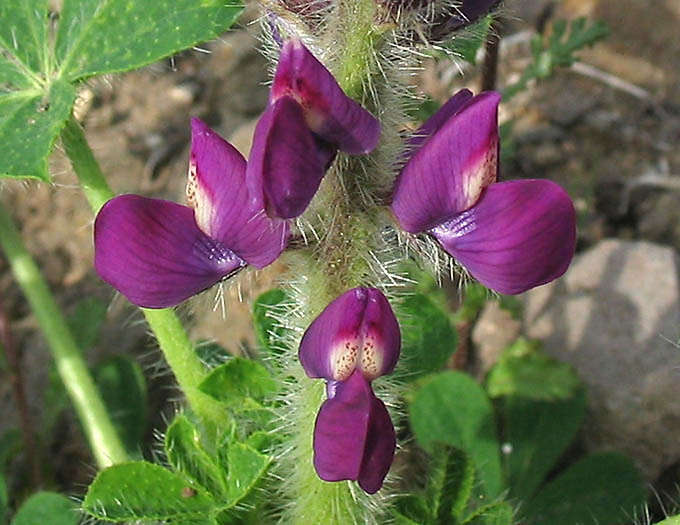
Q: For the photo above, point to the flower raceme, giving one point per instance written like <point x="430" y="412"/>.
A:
<point x="308" y="119"/>
<point x="158" y="253"/>
<point x="353" y="341"/>
<point x="511" y="236"/>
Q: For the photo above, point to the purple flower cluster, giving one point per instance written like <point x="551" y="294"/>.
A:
<point x="510" y="235"/>
<point x="355" y="340"/>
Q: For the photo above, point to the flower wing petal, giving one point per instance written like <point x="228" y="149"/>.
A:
<point x="286" y="165"/>
<point x="341" y="429"/>
<point x="519" y="235"/>
<point x="448" y="173"/>
<point x="379" y="448"/>
<point x="153" y="252"/>
<point x="223" y="208"/>
<point x="329" y="113"/>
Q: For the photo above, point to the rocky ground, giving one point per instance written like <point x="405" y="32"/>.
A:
<point x="607" y="129"/>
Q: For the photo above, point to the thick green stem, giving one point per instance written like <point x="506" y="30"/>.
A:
<point x="172" y="338"/>
<point x="106" y="446"/>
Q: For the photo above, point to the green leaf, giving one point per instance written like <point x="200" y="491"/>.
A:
<point x="602" y="488"/>
<point x="86" y="321"/>
<point x="23" y="33"/>
<point x="500" y="513"/>
<point x="246" y="467"/>
<point x="236" y="380"/>
<point x="476" y="296"/>
<point x="184" y="451"/>
<point x="30" y="121"/>
<point x="142" y="490"/>
<point x="450" y="483"/>
<point x="469" y="43"/>
<point x="427" y="337"/>
<point x="451" y="408"/>
<point x="123" y="388"/>
<point x="11" y="442"/>
<point x="109" y="36"/>
<point x="269" y="307"/>
<point x="413" y="508"/>
<point x="673" y="520"/>
<point x="537" y="433"/>
<point x="4" y="499"/>
<point x="524" y="370"/>
<point x="211" y="354"/>
<point x="47" y="507"/>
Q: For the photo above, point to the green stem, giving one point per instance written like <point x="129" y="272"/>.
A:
<point x="173" y="340"/>
<point x="106" y="446"/>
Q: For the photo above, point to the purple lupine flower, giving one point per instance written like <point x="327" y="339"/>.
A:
<point x="158" y="253"/>
<point x="511" y="236"/>
<point x="355" y="340"/>
<point x="309" y="118"/>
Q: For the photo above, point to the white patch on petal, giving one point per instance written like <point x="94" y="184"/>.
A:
<point x="344" y="358"/>
<point x="480" y="175"/>
<point x="200" y="201"/>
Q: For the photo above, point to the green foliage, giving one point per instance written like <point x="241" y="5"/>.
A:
<point x="246" y="466"/>
<point x="86" y="321"/>
<point x="450" y="483"/>
<point x="267" y="308"/>
<point x="673" y="520"/>
<point x="4" y="499"/>
<point x="37" y="74"/>
<point x="539" y="432"/>
<point x="427" y="337"/>
<point x="451" y="408"/>
<point x="186" y="454"/>
<point x="468" y="44"/>
<point x="524" y="370"/>
<point x="602" y="488"/>
<point x="447" y="492"/>
<point x="476" y="296"/>
<point x="236" y="380"/>
<point x="142" y="490"/>
<point x="123" y="388"/>
<point x="30" y="121"/>
<point x="500" y="513"/>
<point x="11" y="443"/>
<point x="47" y="507"/>
<point x="557" y="50"/>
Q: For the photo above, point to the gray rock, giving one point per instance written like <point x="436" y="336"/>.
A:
<point x="615" y="316"/>
<point x="494" y="330"/>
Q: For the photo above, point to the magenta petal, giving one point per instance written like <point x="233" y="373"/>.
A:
<point x="329" y="113"/>
<point x="520" y="234"/>
<point x="223" y="208"/>
<point x="436" y="121"/>
<point x="285" y="166"/>
<point x="358" y="330"/>
<point x="353" y="437"/>
<point x="152" y="252"/>
<point x="448" y="173"/>
<point x="379" y="447"/>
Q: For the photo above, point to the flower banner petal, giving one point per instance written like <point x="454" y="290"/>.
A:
<point x="223" y="208"/>
<point x="356" y="330"/>
<point x="436" y="121"/>
<point x="285" y="166"/>
<point x="519" y="235"/>
<point x="153" y="252"/>
<point x="328" y="112"/>
<point x="330" y="346"/>
<point x="448" y="173"/>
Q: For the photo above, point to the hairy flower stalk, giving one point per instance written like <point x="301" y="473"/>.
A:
<point x="344" y="222"/>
